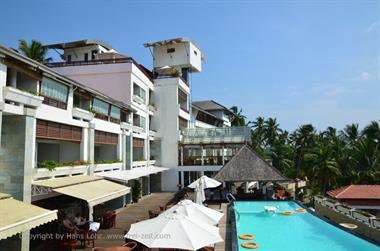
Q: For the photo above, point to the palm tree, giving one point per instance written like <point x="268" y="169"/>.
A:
<point x="324" y="167"/>
<point x="372" y="131"/>
<point x="35" y="50"/>
<point x="257" y="132"/>
<point x="303" y="140"/>
<point x="272" y="129"/>
<point x="367" y="162"/>
<point x="350" y="133"/>
<point x="237" y="119"/>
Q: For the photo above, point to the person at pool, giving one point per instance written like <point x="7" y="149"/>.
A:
<point x="79" y="220"/>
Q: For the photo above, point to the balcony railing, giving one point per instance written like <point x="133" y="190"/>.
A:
<point x="239" y="134"/>
<point x="90" y="62"/>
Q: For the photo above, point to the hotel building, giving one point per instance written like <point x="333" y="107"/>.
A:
<point x="99" y="123"/>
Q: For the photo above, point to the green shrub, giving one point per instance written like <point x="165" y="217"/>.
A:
<point x="109" y="161"/>
<point x="136" y="191"/>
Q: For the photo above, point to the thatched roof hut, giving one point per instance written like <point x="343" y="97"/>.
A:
<point x="246" y="165"/>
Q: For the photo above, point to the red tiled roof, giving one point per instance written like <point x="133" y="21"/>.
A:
<point x="356" y="192"/>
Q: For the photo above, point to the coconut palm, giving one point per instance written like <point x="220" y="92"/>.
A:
<point x="35" y="50"/>
<point x="271" y="130"/>
<point x="257" y="132"/>
<point x="303" y="140"/>
<point x="367" y="162"/>
<point x="237" y="119"/>
<point x="325" y="169"/>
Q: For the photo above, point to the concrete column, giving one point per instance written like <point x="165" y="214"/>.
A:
<point x="17" y="160"/>
<point x="91" y="147"/>
<point x="202" y="156"/>
<point x="129" y="151"/>
<point x="119" y="150"/>
<point x="124" y="149"/>
<point x="181" y="156"/>
<point x="182" y="179"/>
<point x="3" y="78"/>
<point x="84" y="144"/>
<point x="223" y="154"/>
<point x="70" y="99"/>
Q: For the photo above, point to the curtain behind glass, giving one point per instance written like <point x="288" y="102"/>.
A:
<point x="115" y="112"/>
<point x="53" y="89"/>
<point x="100" y="106"/>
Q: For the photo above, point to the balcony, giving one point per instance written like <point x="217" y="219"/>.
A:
<point x="152" y="107"/>
<point x="125" y="126"/>
<point x="138" y="100"/>
<point x="39" y="173"/>
<point x="108" y="167"/>
<point x="12" y="94"/>
<point x="137" y="129"/>
<point x="82" y="114"/>
<point x="241" y="134"/>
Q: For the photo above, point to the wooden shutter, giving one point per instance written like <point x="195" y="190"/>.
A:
<point x="56" y="131"/>
<point x="182" y="123"/>
<point x="139" y="143"/>
<point x="106" y="138"/>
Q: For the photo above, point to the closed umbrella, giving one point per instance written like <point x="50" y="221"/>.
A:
<point x="174" y="230"/>
<point x="199" y="194"/>
<point x="195" y="211"/>
<point x="206" y="182"/>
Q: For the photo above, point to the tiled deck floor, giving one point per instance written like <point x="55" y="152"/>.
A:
<point x="127" y="216"/>
<point x="139" y="211"/>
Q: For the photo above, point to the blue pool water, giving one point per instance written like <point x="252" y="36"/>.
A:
<point x="299" y="232"/>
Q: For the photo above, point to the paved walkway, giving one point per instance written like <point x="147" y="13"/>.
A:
<point x="126" y="216"/>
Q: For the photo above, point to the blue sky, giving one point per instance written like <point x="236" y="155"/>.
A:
<point x="299" y="61"/>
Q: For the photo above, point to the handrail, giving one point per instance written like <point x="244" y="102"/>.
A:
<point x="230" y="198"/>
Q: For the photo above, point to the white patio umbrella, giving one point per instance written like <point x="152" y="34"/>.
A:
<point x="206" y="182"/>
<point x="200" y="185"/>
<point x="195" y="211"/>
<point x="174" y="231"/>
<point x="199" y="194"/>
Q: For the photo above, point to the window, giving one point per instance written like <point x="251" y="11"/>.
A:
<point x="93" y="54"/>
<point x="124" y="116"/>
<point x="138" y="91"/>
<point x="170" y="50"/>
<point x="195" y="52"/>
<point x="69" y="58"/>
<point x="86" y="57"/>
<point x="55" y="93"/>
<point x="115" y="114"/>
<point x="138" y="121"/>
<point x="185" y="73"/>
<point x="82" y="101"/>
<point x="101" y="109"/>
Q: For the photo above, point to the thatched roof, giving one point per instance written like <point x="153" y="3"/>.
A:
<point x="246" y="165"/>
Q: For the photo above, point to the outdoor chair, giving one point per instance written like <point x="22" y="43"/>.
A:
<point x="152" y="214"/>
<point x="109" y="219"/>
<point x="131" y="245"/>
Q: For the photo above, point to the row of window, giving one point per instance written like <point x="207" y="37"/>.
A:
<point x="56" y="94"/>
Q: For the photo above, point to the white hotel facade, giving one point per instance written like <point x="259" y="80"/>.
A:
<point x="110" y="123"/>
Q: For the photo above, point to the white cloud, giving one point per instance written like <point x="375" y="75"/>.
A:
<point x="337" y="91"/>
<point x="364" y="75"/>
<point x="372" y="26"/>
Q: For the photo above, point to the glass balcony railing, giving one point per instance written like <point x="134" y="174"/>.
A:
<point x="239" y="134"/>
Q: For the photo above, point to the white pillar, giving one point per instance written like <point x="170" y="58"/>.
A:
<point x="91" y="146"/>
<point x="84" y="144"/>
<point x="90" y="212"/>
<point x="119" y="152"/>
<point x="124" y="149"/>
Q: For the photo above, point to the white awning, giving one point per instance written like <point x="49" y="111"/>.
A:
<point x="17" y="216"/>
<point x="135" y="173"/>
<point x="95" y="192"/>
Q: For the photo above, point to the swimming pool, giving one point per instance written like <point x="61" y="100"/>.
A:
<point x="298" y="232"/>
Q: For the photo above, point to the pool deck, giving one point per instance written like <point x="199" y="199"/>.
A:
<point x="128" y="215"/>
<point x="139" y="211"/>
<point x="224" y="228"/>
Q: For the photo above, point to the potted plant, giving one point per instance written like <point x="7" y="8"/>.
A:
<point x="136" y="191"/>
